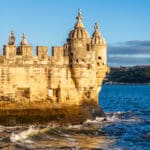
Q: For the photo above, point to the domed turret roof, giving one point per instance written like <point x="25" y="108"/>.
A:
<point x="79" y="30"/>
<point x="24" y="41"/>
<point x="97" y="38"/>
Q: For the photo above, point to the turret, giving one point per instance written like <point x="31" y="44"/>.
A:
<point x="42" y="52"/>
<point x="82" y="58"/>
<point x="99" y="46"/>
<point x="79" y="38"/>
<point x="24" y="49"/>
<point x="9" y="51"/>
<point x="11" y="39"/>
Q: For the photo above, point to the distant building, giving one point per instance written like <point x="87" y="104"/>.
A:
<point x="75" y="71"/>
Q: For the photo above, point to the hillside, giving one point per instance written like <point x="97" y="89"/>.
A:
<point x="135" y="74"/>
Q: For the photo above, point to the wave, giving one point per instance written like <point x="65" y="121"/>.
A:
<point x="65" y="137"/>
<point x="29" y="133"/>
<point x="128" y="116"/>
<point x="87" y="127"/>
<point x="91" y="134"/>
<point x="24" y="135"/>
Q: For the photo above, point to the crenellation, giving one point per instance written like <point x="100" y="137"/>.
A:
<point x="9" y="51"/>
<point x="42" y="53"/>
<point x="58" y="52"/>
<point x="26" y="51"/>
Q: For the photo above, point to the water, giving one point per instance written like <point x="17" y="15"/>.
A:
<point x="129" y="106"/>
<point x="127" y="126"/>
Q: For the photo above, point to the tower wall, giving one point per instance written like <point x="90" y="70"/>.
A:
<point x="25" y="51"/>
<point x="57" y="52"/>
<point x="42" y="52"/>
<point x="100" y="54"/>
<point x="15" y="80"/>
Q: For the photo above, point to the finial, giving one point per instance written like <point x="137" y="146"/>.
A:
<point x="24" y="41"/>
<point x="23" y="36"/>
<point x="96" y="27"/>
<point x="96" y="32"/>
<point x="79" y="17"/>
<point x="79" y="23"/>
<point x="79" y="12"/>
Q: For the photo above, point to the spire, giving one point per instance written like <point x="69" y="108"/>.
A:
<point x="79" y="31"/>
<point x="79" y="23"/>
<point x="79" y="17"/>
<point x="97" y="38"/>
<point x="11" y="40"/>
<point x="96" y="32"/>
<point x="96" y="27"/>
<point x="24" y="41"/>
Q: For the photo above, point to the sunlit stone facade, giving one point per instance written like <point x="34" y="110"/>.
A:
<point x="73" y="73"/>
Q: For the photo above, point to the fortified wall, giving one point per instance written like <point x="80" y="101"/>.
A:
<point x="74" y="72"/>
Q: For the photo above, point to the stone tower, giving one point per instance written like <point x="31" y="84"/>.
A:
<point x="24" y="49"/>
<point x="9" y="50"/>
<point x="87" y="59"/>
<point x="99" y="46"/>
<point x="73" y="73"/>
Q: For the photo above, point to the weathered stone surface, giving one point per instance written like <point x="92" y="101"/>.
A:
<point x="71" y="75"/>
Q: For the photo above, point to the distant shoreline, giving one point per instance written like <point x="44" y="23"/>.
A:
<point x="128" y="75"/>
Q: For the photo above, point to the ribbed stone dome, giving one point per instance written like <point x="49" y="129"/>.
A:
<point x="79" y="33"/>
<point x="79" y="30"/>
<point x="97" y="38"/>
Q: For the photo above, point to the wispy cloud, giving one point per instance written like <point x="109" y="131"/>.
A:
<point x="129" y="53"/>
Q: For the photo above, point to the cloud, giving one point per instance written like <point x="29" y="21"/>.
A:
<point x="139" y="43"/>
<point x="129" y="53"/>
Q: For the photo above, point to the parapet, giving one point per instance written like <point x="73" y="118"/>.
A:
<point x="42" y="52"/>
<point x="25" y="51"/>
<point x="58" y="51"/>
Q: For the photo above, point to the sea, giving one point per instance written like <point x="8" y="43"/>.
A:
<point x="127" y="126"/>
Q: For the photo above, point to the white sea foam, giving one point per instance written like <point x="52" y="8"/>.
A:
<point x="74" y="126"/>
<point x="91" y="121"/>
<point x="99" y="119"/>
<point x="117" y="117"/>
<point x="112" y="118"/>
<point x="24" y="135"/>
<point x="134" y="119"/>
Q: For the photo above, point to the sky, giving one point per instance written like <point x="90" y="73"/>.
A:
<point x="125" y="24"/>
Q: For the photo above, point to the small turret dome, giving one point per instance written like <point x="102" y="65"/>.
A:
<point x="97" y="38"/>
<point x="24" y="41"/>
<point x="79" y="30"/>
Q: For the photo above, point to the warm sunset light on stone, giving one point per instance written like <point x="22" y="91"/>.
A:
<point x="74" y="72"/>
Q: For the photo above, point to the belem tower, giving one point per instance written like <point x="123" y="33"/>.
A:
<point x="73" y="73"/>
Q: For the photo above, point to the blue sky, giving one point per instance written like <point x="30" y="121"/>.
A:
<point x="48" y="22"/>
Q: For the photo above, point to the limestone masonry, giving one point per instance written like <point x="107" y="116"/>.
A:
<point x="73" y="73"/>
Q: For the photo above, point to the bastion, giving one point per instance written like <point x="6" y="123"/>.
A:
<point x="63" y="87"/>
